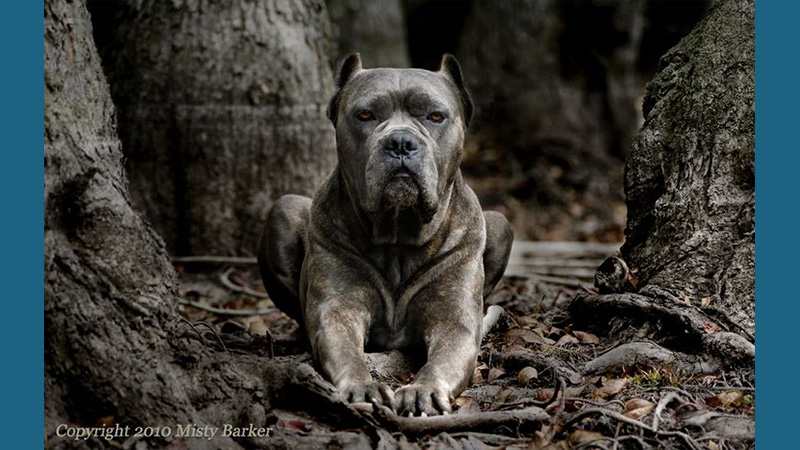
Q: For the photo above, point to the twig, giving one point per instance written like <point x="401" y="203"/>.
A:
<point x="488" y="421"/>
<point x="226" y="311"/>
<point x="633" y="437"/>
<point x="215" y="259"/>
<point x="550" y="433"/>
<point x="617" y="416"/>
<point x="665" y="400"/>
<point x="223" y="278"/>
<point x="596" y="443"/>
<point x="214" y="332"/>
<point x="596" y="403"/>
<point x="561" y="386"/>
<point x="191" y="325"/>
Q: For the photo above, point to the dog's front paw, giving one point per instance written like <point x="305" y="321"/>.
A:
<point x="421" y="400"/>
<point x="370" y="392"/>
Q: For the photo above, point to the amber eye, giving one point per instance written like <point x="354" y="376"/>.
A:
<point x="365" y="115"/>
<point x="436" y="117"/>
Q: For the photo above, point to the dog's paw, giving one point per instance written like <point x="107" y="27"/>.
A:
<point x="421" y="400"/>
<point x="370" y="392"/>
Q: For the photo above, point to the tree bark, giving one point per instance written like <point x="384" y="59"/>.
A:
<point x="221" y="111"/>
<point x="376" y="30"/>
<point x="690" y="187"/>
<point x="690" y="180"/>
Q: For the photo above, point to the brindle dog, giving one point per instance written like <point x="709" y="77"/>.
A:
<point x="394" y="250"/>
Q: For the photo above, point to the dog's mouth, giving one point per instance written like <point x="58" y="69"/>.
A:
<point x="401" y="190"/>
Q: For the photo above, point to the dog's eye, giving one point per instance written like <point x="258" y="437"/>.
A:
<point x="436" y="117"/>
<point x="365" y="115"/>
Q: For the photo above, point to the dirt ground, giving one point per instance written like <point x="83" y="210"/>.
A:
<point x="538" y="383"/>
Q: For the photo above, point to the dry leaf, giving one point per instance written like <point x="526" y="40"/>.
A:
<point x="471" y="407"/>
<point x="578" y="437"/>
<point x="495" y="373"/>
<point x="713" y="445"/>
<point x="555" y="331"/>
<point x="567" y="339"/>
<point x="611" y="388"/>
<point x="515" y="348"/>
<point x="526" y="335"/>
<point x="527" y="321"/>
<point x="704" y="302"/>
<point x="294" y="425"/>
<point x="637" y="408"/>
<point x="545" y="394"/>
<point x="461" y="401"/>
<point x="586" y="338"/>
<point x="527" y="374"/>
<point x="479" y="376"/>
<point x="502" y="395"/>
<point x="726" y="399"/>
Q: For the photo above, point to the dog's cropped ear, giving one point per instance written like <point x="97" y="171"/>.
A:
<point x="452" y="69"/>
<point x="350" y="66"/>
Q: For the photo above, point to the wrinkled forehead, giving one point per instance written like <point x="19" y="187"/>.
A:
<point x="401" y="85"/>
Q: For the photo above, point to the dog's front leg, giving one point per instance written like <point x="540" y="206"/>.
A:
<point x="337" y="329"/>
<point x="451" y="322"/>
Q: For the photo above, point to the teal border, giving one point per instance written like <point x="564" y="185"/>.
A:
<point x="777" y="148"/>
<point x="22" y="222"/>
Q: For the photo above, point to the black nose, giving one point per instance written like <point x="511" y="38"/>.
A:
<point x="401" y="143"/>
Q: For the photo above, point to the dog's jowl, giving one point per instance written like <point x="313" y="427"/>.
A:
<point x="394" y="250"/>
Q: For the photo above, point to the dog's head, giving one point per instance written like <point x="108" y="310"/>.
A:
<point x="400" y="135"/>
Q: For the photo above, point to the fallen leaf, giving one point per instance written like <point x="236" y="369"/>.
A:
<point x="479" y="376"/>
<point x="527" y="374"/>
<point x="586" y="338"/>
<point x="704" y="302"/>
<point x="567" y="339"/>
<point x="461" y="401"/>
<point x="611" y="388"/>
<point x="545" y="394"/>
<point x="527" y="321"/>
<point x="258" y="328"/>
<point x="470" y="407"/>
<point x="406" y="378"/>
<point x="578" y="437"/>
<point x="495" y="373"/>
<point x="555" y="331"/>
<point x="502" y="395"/>
<point x="526" y="335"/>
<point x="294" y="425"/>
<point x="726" y="399"/>
<point x="516" y="348"/>
<point x="713" y="445"/>
<point x="637" y="408"/>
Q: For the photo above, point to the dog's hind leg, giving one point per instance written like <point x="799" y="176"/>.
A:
<point x="499" y="237"/>
<point x="282" y="250"/>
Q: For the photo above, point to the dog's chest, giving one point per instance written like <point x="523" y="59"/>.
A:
<point x="396" y="263"/>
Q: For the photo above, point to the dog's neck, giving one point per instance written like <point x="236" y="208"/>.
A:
<point x="400" y="227"/>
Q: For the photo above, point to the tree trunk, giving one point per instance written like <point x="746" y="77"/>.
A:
<point x="690" y="187"/>
<point x="376" y="30"/>
<point x="221" y="111"/>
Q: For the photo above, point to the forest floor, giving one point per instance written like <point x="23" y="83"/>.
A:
<point x="535" y="385"/>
